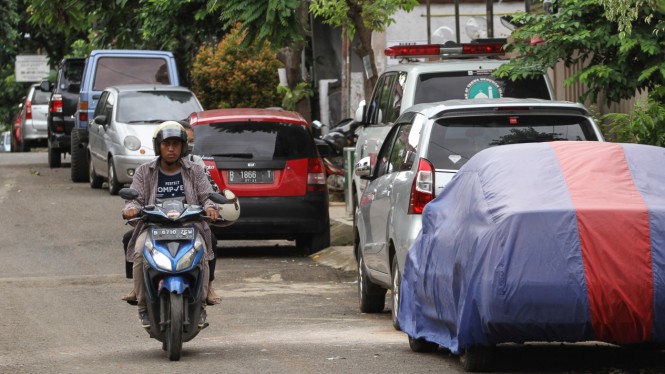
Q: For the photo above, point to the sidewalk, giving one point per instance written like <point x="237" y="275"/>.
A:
<point x="340" y="253"/>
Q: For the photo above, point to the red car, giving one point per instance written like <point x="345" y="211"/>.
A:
<point x="269" y="159"/>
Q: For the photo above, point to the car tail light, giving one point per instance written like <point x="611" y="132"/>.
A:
<point x="55" y="106"/>
<point x="83" y="110"/>
<point x="485" y="48"/>
<point x="28" y="109"/>
<point x="316" y="175"/>
<point x="422" y="190"/>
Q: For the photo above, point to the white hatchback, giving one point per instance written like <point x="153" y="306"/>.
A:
<point x="120" y="134"/>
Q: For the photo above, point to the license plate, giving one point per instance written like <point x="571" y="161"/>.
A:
<point x="251" y="176"/>
<point x="180" y="233"/>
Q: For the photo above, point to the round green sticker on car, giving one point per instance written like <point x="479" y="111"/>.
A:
<point x="483" y="88"/>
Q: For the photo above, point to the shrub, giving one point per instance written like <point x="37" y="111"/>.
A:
<point x="229" y="76"/>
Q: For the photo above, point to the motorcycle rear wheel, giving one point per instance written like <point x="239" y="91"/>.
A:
<point x="174" y="332"/>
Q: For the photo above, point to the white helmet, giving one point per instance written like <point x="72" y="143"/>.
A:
<point x="230" y="211"/>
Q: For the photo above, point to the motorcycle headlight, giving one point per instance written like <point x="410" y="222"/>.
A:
<point x="160" y="259"/>
<point x="187" y="260"/>
<point x="132" y="143"/>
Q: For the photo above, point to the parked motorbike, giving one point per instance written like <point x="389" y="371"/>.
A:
<point x="173" y="277"/>
<point x="340" y="136"/>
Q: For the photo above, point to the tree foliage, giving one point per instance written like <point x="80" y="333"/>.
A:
<point x="360" y="18"/>
<point x="613" y="65"/>
<point x="619" y="44"/>
<point x="230" y="76"/>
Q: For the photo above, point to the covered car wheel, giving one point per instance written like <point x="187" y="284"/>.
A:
<point x="477" y="359"/>
<point x="54" y="157"/>
<point x="394" y="294"/>
<point x="114" y="185"/>
<point x="95" y="180"/>
<point x="79" y="159"/>
<point x="371" y="297"/>
<point x="422" y="345"/>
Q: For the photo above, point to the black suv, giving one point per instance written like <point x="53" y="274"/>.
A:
<point x="62" y="107"/>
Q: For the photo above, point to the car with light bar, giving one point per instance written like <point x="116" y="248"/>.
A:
<point x="460" y="71"/>
<point x="120" y="136"/>
<point x="269" y="159"/>
<point x="422" y="152"/>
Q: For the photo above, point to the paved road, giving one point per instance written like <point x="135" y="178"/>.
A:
<point x="62" y="275"/>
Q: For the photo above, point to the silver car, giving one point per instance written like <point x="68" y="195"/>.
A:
<point x="422" y="152"/>
<point x="120" y="135"/>
<point x="33" y="120"/>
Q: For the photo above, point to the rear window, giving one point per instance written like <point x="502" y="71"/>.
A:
<point x="476" y="84"/>
<point x="155" y="106"/>
<point x="40" y="97"/>
<point x="455" y="140"/>
<point x="72" y="73"/>
<point x="127" y="70"/>
<point x="254" y="141"/>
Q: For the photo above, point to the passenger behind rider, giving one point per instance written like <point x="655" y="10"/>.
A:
<point x="184" y="179"/>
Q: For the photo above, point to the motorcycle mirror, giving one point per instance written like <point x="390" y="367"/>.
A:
<point x="317" y="124"/>
<point x="217" y="198"/>
<point x="128" y="193"/>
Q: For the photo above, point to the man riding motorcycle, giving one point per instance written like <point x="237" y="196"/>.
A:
<point x="170" y="175"/>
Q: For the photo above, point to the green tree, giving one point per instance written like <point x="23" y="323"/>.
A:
<point x="228" y="76"/>
<point x="619" y="44"/>
<point x="284" y="24"/>
<point x="361" y="17"/>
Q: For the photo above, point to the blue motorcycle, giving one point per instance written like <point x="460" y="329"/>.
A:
<point x="173" y="275"/>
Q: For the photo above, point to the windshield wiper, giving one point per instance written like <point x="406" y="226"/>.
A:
<point x="148" y="121"/>
<point x="237" y="155"/>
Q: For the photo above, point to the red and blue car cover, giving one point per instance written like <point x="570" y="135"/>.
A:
<point x="560" y="241"/>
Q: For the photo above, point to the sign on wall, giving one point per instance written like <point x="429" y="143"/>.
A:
<point x="31" y="68"/>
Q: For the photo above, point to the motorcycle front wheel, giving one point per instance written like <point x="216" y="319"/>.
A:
<point x="174" y="332"/>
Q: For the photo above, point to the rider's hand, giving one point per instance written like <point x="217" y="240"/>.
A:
<point x="130" y="213"/>
<point x="212" y="213"/>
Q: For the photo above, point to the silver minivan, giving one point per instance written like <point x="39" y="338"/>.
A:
<point x="422" y="152"/>
<point x="120" y="136"/>
<point x="33" y="119"/>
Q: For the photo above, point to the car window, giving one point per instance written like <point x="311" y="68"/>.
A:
<point x="379" y="102"/>
<point x="254" y="141"/>
<point x="127" y="70"/>
<point x="155" y="106"/>
<point x="453" y="141"/>
<point x="396" y="98"/>
<point x="101" y="105"/>
<point x="72" y="73"/>
<point x="435" y="87"/>
<point x="383" y="160"/>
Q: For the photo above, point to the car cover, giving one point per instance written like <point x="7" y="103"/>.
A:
<point x="560" y="241"/>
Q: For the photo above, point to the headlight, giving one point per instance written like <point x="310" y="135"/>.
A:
<point x="132" y="143"/>
<point x="160" y="259"/>
<point x="186" y="260"/>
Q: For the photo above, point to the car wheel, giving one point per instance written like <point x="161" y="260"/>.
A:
<point x="422" y="346"/>
<point x="394" y="294"/>
<point x="371" y="297"/>
<point x="114" y="185"/>
<point x="477" y="359"/>
<point x="79" y="159"/>
<point x="54" y="157"/>
<point x="315" y="242"/>
<point x="95" y="180"/>
<point x="23" y="146"/>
